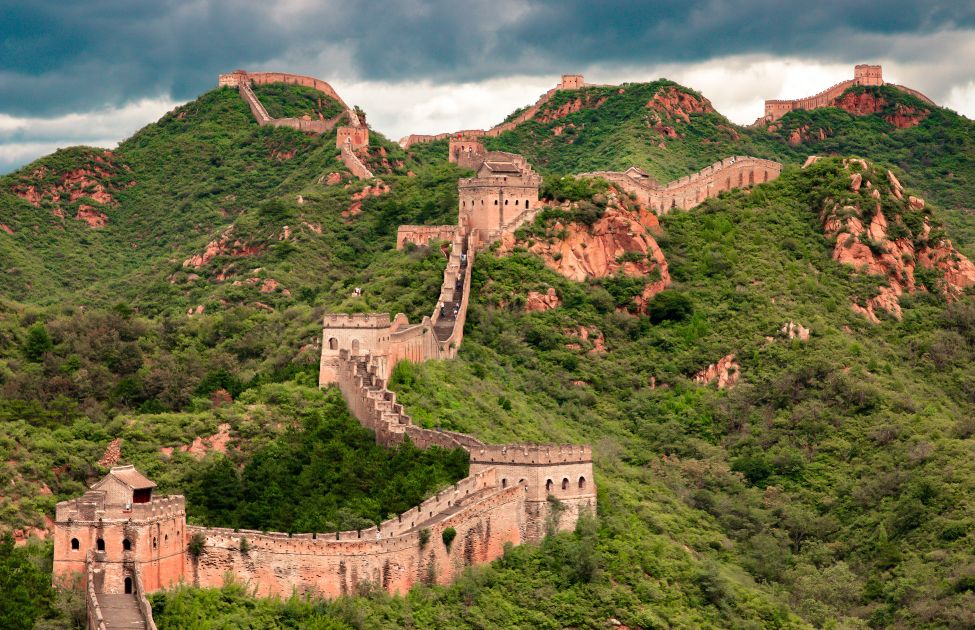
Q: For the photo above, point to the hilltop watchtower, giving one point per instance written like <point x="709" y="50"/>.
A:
<point x="504" y="189"/>
<point x="124" y="529"/>
<point x="572" y="82"/>
<point x="866" y="74"/>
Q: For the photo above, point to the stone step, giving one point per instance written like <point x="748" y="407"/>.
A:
<point x="120" y="611"/>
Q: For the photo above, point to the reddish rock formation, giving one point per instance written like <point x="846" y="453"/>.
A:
<point x="679" y="104"/>
<point x="803" y="134"/>
<point x="864" y="103"/>
<point x="571" y="107"/>
<point x="619" y="242"/>
<point x="221" y="247"/>
<point x="541" y="301"/>
<point x="112" y="454"/>
<point x="91" y="216"/>
<point x="871" y="250"/>
<point x="726" y="373"/>
<point x="202" y="445"/>
<point x="6" y="228"/>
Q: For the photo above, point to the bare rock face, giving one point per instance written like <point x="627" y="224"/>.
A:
<point x="676" y="103"/>
<point x="621" y="241"/>
<point x="862" y="230"/>
<point x="94" y="184"/>
<point x="112" y="454"/>
<point x="538" y="302"/>
<point x="202" y="445"/>
<point x="793" y="330"/>
<point x="726" y="373"/>
<point x="221" y="246"/>
<point x="571" y="107"/>
<point x="865" y="103"/>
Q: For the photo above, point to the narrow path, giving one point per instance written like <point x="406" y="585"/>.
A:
<point x="120" y="611"/>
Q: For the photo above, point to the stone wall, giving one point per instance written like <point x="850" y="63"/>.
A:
<point x="739" y="171"/>
<point x="354" y="164"/>
<point x="392" y="556"/>
<point x="568" y="82"/>
<point x="863" y="74"/>
<point x="423" y="234"/>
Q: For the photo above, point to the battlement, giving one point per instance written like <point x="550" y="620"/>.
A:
<point x="572" y="82"/>
<point x="356" y="320"/>
<point x="863" y="75"/>
<point x="91" y="507"/>
<point x="532" y="454"/>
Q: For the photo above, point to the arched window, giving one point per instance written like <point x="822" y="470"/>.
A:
<point x="526" y="203"/>
<point x="75" y="545"/>
<point x="495" y="202"/>
<point x="751" y="177"/>
<point x="153" y="542"/>
<point x="128" y="586"/>
<point x="565" y="483"/>
<point x="100" y="544"/>
<point x="504" y="483"/>
<point x="505" y="202"/>
<point x="355" y="345"/>
<point x="548" y="485"/>
<point x="582" y="482"/>
<point x="126" y="545"/>
<point x="333" y="343"/>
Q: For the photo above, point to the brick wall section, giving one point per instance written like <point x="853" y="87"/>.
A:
<point x="354" y="164"/>
<point x="568" y="82"/>
<point x="863" y="74"/>
<point x="423" y="234"/>
<point x="739" y="171"/>
<point x="355" y="132"/>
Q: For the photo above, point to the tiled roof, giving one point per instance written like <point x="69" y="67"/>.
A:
<point x="131" y="477"/>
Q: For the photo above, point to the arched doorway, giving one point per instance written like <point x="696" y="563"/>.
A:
<point x="128" y="585"/>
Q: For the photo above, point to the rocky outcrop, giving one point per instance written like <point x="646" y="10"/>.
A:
<point x="621" y="241"/>
<point x="202" y="445"/>
<point x="676" y="103"/>
<point x="864" y="103"/>
<point x="538" y="302"/>
<point x="113" y="453"/>
<point x="793" y="330"/>
<point x="726" y="373"/>
<point x="881" y="231"/>
<point x="94" y="184"/>
<point x="222" y="246"/>
<point x="570" y="107"/>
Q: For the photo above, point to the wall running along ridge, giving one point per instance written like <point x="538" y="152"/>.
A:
<point x="568" y="82"/>
<point x="507" y="498"/>
<point x="349" y="138"/>
<point x="863" y="74"/>
<point x="740" y="171"/>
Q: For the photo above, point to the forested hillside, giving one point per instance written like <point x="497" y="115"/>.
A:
<point x="169" y="294"/>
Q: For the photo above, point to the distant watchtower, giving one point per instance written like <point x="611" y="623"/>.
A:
<point x="865" y="74"/>
<point x="124" y="528"/>
<point x="572" y="82"/>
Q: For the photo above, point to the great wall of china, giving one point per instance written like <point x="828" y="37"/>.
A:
<point x="863" y="75"/>
<point x="350" y="139"/>
<point x="125" y="542"/>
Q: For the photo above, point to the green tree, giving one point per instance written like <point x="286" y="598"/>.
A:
<point x="26" y="591"/>
<point x="37" y="343"/>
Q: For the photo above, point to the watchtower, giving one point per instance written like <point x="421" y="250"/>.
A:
<point x="572" y="82"/>
<point x="356" y="333"/>
<point x="123" y="525"/>
<point x="865" y="74"/>
<point x="357" y="137"/>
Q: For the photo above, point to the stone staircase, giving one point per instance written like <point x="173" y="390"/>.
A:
<point x="120" y="611"/>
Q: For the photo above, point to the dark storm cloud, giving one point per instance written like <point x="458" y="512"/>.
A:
<point x="60" y="56"/>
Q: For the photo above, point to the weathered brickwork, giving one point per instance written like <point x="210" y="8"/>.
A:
<point x="568" y="82"/>
<point x="350" y="138"/>
<point x="740" y="171"/>
<point x="863" y="74"/>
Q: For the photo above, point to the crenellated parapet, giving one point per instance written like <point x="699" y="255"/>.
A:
<point x="863" y="75"/>
<point x="739" y="171"/>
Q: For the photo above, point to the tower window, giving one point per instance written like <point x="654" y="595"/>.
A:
<point x="100" y="544"/>
<point x="126" y="545"/>
<point x="75" y="545"/>
<point x="565" y="483"/>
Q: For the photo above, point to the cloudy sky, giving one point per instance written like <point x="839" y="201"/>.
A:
<point x="94" y="71"/>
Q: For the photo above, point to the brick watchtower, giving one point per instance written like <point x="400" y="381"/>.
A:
<point x="126" y="529"/>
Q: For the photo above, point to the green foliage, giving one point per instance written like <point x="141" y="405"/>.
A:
<point x="424" y="537"/>
<point x="328" y="475"/>
<point x="26" y="587"/>
<point x="670" y="306"/>
<point x="37" y="343"/>
<point x="448" y="536"/>
<point x="196" y="544"/>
